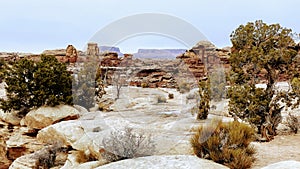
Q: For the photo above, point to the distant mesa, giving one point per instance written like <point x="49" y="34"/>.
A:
<point x="104" y="49"/>
<point x="158" y="53"/>
<point x="141" y="54"/>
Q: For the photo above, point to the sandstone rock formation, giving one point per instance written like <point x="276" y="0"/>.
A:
<point x="189" y="66"/>
<point x="4" y="162"/>
<point x="110" y="59"/>
<point x="68" y="55"/>
<point x="42" y="158"/>
<point x="10" y="117"/>
<point x="9" y="57"/>
<point x="81" y="135"/>
<point x="203" y="58"/>
<point x="25" y="162"/>
<point x="71" y="54"/>
<point x="166" y="162"/>
<point x="92" y="49"/>
<point x="45" y="116"/>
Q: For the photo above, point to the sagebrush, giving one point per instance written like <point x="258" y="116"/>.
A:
<point x="126" y="144"/>
<point x="293" y="123"/>
<point x="225" y="143"/>
<point x="161" y="99"/>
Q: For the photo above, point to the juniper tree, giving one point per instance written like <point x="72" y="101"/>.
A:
<point x="262" y="52"/>
<point x="32" y="84"/>
<point x="205" y="97"/>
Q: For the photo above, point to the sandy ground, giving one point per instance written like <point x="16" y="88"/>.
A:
<point x="282" y="148"/>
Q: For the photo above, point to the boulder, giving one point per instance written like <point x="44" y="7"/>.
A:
<point x="42" y="157"/>
<point x="74" y="159"/>
<point x="166" y="162"/>
<point x="10" y="117"/>
<point x="91" y="143"/>
<point x="16" y="147"/>
<point x="25" y="162"/>
<point x="81" y="109"/>
<point x="45" y="116"/>
<point x="105" y="104"/>
<point x="20" y="144"/>
<point x="284" y="165"/>
<point x="81" y="135"/>
<point x="66" y="132"/>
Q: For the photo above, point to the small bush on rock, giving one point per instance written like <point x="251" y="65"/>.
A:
<point x="161" y="99"/>
<point x="171" y="96"/>
<point x="184" y="87"/>
<point x="225" y="143"/>
<point x="144" y="85"/>
<point x="127" y="144"/>
<point x="293" y="123"/>
<point x="47" y="156"/>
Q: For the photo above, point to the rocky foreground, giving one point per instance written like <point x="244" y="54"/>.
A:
<point x="28" y="142"/>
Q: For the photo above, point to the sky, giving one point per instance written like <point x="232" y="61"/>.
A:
<point x="37" y="25"/>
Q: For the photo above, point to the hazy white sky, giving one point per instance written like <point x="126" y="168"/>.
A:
<point x="36" y="25"/>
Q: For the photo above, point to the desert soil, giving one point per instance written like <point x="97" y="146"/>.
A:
<point x="282" y="148"/>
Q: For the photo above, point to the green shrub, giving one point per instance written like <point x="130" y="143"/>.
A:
<point x="144" y="85"/>
<point x="33" y="84"/>
<point x="126" y="144"/>
<point x="293" y="123"/>
<point x="205" y="97"/>
<point x="171" y="96"/>
<point x="184" y="87"/>
<point x="225" y="143"/>
<point x="161" y="99"/>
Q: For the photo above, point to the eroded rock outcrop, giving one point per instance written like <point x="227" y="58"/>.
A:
<point x="43" y="158"/>
<point x="10" y="117"/>
<point x="81" y="135"/>
<point x="71" y="54"/>
<point x="45" y="116"/>
<point x="25" y="162"/>
<point x="68" y="55"/>
<point x="92" y="49"/>
<point x="204" y="57"/>
<point x="4" y="161"/>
